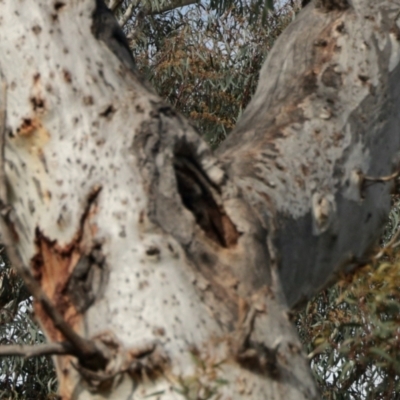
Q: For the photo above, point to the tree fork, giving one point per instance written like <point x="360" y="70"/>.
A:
<point x="203" y="250"/>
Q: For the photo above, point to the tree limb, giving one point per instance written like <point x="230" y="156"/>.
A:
<point x="311" y="128"/>
<point x="113" y="4"/>
<point x="145" y="11"/>
<point x="37" y="350"/>
<point x="169" y="7"/>
<point x="128" y="13"/>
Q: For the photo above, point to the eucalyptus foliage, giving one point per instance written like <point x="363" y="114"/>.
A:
<point x="351" y="331"/>
<point x="20" y="378"/>
<point x="206" y="63"/>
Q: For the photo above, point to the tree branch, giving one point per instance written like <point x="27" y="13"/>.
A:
<point x="298" y="154"/>
<point x="128" y="13"/>
<point x="37" y="350"/>
<point x="153" y="11"/>
<point x="113" y="4"/>
<point x="171" y="6"/>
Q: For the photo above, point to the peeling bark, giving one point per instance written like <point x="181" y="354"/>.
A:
<point x="177" y="263"/>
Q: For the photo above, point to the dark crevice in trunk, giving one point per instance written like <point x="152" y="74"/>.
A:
<point x="196" y="194"/>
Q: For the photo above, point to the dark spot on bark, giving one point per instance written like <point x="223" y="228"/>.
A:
<point x="67" y="76"/>
<point x="26" y="122"/>
<point x="143" y="284"/>
<point x="363" y="78"/>
<point x="59" y="5"/>
<point x="36" y="29"/>
<point x="331" y="78"/>
<point x="206" y="259"/>
<point x="321" y="43"/>
<point x="305" y="170"/>
<point x="369" y="216"/>
<point x="259" y="358"/>
<point x="338" y="137"/>
<point x="27" y="127"/>
<point x="167" y="110"/>
<point x="37" y="104"/>
<point x="341" y="28"/>
<point x="153" y="251"/>
<point x="310" y="82"/>
<point x="36" y="78"/>
<point x="88" y="100"/>
<point x="158" y="331"/>
<point x="31" y="206"/>
<point x="108" y="112"/>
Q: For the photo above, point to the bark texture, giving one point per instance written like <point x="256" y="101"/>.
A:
<point x="324" y="117"/>
<point x="176" y="261"/>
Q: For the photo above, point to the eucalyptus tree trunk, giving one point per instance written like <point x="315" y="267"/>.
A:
<point x="177" y="265"/>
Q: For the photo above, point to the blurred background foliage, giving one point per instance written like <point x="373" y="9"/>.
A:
<point x="351" y="331"/>
<point x="204" y="58"/>
<point x="20" y="378"/>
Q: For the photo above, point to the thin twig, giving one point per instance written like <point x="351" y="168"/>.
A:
<point x="128" y="13"/>
<point x="37" y="350"/>
<point x="392" y="243"/>
<point x="147" y="11"/>
<point x="113" y="5"/>
<point x="381" y="178"/>
<point x="171" y="6"/>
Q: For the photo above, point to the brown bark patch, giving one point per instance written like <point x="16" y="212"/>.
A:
<point x="29" y="126"/>
<point x="54" y="266"/>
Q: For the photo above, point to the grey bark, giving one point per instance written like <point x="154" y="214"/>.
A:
<point x="324" y="116"/>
